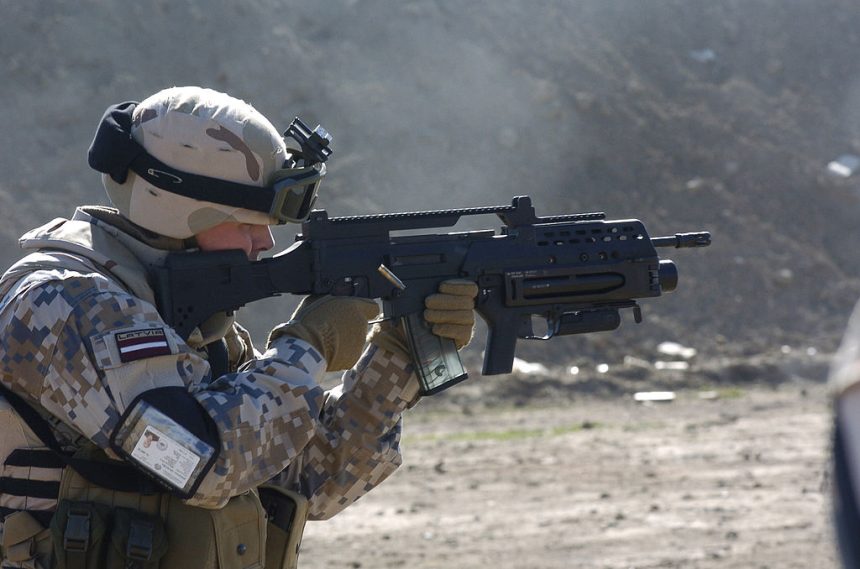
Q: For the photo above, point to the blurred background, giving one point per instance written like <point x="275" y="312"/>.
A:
<point x="689" y="115"/>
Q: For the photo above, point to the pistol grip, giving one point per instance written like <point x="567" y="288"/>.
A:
<point x="436" y="360"/>
<point x="501" y="345"/>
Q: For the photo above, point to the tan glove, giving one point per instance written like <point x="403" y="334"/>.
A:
<point x="334" y="325"/>
<point x="450" y="312"/>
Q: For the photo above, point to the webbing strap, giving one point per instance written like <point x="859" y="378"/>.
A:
<point x="38" y="458"/>
<point x="218" y="358"/>
<point x="32" y="488"/>
<point x="117" y="476"/>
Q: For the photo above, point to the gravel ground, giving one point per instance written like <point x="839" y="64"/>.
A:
<point x="739" y="481"/>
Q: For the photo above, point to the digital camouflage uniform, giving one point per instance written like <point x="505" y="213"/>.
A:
<point x="84" y="285"/>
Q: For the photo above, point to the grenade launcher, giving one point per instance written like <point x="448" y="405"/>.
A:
<point x="571" y="272"/>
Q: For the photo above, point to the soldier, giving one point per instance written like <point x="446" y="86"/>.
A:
<point x="125" y="445"/>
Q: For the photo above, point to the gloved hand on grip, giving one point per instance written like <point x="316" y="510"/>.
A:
<point x="334" y="325"/>
<point x="450" y="312"/>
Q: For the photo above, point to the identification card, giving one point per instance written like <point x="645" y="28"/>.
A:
<point x="165" y="457"/>
<point x="164" y="447"/>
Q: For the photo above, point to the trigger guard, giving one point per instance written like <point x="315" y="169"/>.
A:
<point x="526" y="331"/>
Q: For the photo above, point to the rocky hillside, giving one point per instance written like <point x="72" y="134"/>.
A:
<point x="687" y="114"/>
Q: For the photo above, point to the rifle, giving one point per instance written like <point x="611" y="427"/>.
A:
<point x="575" y="271"/>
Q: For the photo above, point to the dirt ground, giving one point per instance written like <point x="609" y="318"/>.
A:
<point x="735" y="478"/>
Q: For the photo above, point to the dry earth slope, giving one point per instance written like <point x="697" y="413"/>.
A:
<point x="688" y="115"/>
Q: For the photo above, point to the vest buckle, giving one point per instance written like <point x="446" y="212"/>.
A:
<point x="140" y="540"/>
<point x="76" y="538"/>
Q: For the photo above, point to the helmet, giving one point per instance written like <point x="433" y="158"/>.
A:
<point x="187" y="159"/>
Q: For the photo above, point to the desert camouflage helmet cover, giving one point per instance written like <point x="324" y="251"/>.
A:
<point x="205" y="132"/>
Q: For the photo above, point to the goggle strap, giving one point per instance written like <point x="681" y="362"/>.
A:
<point x="114" y="152"/>
<point x="199" y="187"/>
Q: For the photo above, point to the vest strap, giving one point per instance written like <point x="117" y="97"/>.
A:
<point x="112" y="475"/>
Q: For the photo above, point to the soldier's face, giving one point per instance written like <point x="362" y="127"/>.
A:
<point x="252" y="239"/>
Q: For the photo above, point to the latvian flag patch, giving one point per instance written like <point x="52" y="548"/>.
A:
<point x="139" y="344"/>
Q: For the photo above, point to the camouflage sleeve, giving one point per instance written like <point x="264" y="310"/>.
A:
<point x="357" y="443"/>
<point x="62" y="348"/>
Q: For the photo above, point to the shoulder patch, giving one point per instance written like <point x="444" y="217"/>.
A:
<point x="140" y="344"/>
<point x="118" y="347"/>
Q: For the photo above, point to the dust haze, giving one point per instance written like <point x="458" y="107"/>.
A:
<point x="688" y="115"/>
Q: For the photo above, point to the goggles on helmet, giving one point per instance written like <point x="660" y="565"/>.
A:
<point x="295" y="194"/>
<point x="288" y="199"/>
